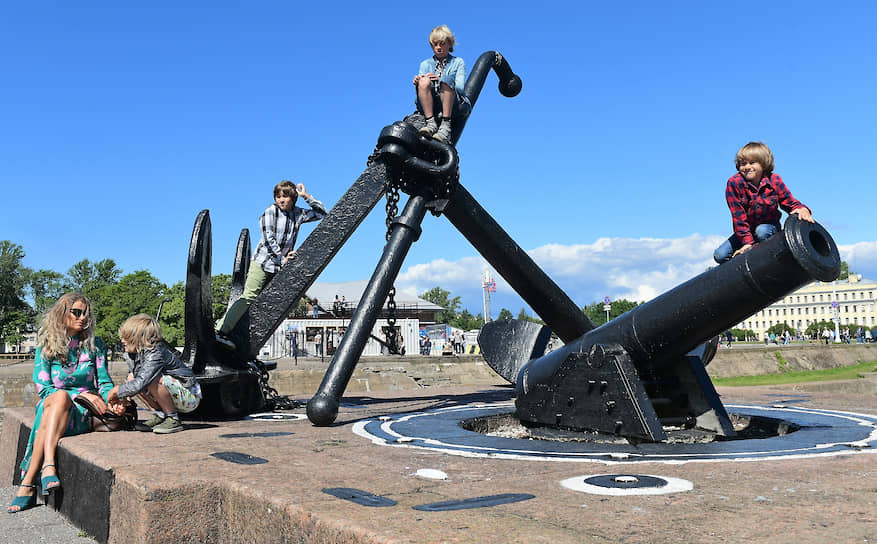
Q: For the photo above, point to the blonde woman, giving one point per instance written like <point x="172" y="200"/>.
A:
<point x="69" y="360"/>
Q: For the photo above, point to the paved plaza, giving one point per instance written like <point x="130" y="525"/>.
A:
<point x="280" y="479"/>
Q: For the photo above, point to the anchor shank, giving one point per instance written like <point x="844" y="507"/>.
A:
<point x="323" y="407"/>
<point x="286" y="288"/>
<point x="554" y="306"/>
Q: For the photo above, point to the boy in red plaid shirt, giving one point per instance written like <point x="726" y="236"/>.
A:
<point x="754" y="196"/>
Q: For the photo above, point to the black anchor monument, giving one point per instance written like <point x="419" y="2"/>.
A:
<point x="630" y="377"/>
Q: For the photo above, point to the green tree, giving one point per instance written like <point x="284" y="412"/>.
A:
<point x="173" y="314"/>
<point x="466" y="321"/>
<point x="743" y="335"/>
<point x="505" y="314"/>
<point x="844" y="271"/>
<point x="87" y="277"/>
<point x="597" y="314"/>
<point x="15" y="313"/>
<point x="524" y="316"/>
<point x="220" y="290"/>
<point x="817" y="327"/>
<point x="138" y="292"/>
<point x="780" y="328"/>
<point x="440" y="297"/>
<point x="300" y="310"/>
<point x="46" y="287"/>
<point x="14" y="326"/>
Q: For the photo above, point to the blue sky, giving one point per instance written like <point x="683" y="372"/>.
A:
<point x="122" y="120"/>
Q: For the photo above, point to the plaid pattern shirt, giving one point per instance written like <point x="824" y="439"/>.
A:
<point x="280" y="230"/>
<point x="752" y="206"/>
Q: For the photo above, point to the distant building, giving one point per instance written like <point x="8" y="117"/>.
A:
<point x="856" y="306"/>
<point x="28" y="344"/>
<point x="319" y="334"/>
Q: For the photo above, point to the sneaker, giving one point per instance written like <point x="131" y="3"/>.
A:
<point x="223" y="341"/>
<point x="429" y="128"/>
<point x="153" y="421"/>
<point x="444" y="132"/>
<point x="169" y="425"/>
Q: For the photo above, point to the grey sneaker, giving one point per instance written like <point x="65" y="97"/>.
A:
<point x="153" y="421"/>
<point x="429" y="128"/>
<point x="168" y="426"/>
<point x="444" y="132"/>
<point x="225" y="342"/>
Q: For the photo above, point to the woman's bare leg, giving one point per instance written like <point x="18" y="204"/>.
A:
<point x="55" y="418"/>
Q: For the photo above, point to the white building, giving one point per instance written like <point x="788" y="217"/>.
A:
<point x="319" y="334"/>
<point x="856" y="307"/>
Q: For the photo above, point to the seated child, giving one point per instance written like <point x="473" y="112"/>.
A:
<point x="157" y="375"/>
<point x="754" y="195"/>
<point x="440" y="83"/>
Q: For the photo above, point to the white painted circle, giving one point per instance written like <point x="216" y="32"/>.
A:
<point x="674" y="485"/>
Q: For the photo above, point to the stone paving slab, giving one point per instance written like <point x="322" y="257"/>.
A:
<point x="172" y="489"/>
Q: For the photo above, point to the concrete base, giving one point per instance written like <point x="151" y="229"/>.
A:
<point x="264" y="481"/>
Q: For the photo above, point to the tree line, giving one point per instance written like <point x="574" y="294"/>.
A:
<point x="463" y="319"/>
<point x="25" y="294"/>
<point x="115" y="296"/>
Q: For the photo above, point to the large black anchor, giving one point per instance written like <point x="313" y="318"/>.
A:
<point x="235" y="382"/>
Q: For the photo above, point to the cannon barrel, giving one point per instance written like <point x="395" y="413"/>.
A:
<point x="662" y="331"/>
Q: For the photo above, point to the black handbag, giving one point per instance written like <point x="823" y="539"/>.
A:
<point x="102" y="418"/>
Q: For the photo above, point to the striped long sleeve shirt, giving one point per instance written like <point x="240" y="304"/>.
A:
<point x="279" y="231"/>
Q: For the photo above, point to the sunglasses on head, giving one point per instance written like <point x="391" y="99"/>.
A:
<point x="77" y="313"/>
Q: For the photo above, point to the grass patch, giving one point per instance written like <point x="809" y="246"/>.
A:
<point x="828" y="374"/>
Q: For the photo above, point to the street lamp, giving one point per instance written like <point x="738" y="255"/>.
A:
<point x="836" y="306"/>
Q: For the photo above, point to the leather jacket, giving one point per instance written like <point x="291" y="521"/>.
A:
<point x="149" y="364"/>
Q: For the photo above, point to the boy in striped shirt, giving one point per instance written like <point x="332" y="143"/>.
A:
<point x="279" y="230"/>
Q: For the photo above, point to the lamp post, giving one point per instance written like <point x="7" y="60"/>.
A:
<point x="836" y="306"/>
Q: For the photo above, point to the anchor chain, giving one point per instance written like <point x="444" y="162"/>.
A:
<point x="392" y="208"/>
<point x="417" y="165"/>
<point x="273" y="400"/>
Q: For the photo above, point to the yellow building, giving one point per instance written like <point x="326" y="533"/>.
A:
<point x="856" y="307"/>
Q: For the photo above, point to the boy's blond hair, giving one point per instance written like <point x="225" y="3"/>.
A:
<point x="756" y="152"/>
<point x="440" y="34"/>
<point x="285" y="188"/>
<point x="140" y="332"/>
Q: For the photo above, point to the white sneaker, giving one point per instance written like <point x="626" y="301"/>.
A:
<point x="444" y="132"/>
<point x="429" y="128"/>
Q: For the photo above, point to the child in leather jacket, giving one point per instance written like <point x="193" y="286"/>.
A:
<point x="157" y="375"/>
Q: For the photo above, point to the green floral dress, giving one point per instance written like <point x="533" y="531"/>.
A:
<point x="82" y="371"/>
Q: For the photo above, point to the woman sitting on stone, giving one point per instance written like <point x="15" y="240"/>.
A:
<point x="69" y="360"/>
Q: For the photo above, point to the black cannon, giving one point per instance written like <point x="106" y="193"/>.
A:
<point x="635" y="375"/>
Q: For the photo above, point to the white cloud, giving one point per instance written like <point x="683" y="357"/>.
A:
<point x="636" y="269"/>
<point x="862" y="258"/>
